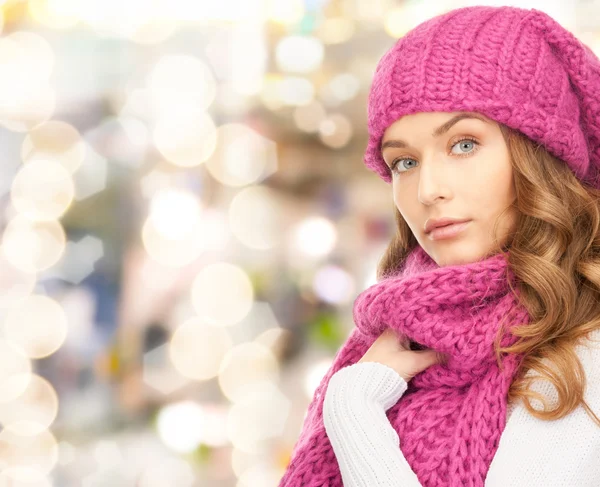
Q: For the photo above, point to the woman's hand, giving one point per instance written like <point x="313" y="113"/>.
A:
<point x="392" y="350"/>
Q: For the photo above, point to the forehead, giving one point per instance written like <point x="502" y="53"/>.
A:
<point x="434" y="122"/>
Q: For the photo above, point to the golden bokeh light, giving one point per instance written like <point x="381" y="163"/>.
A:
<point x="38" y="325"/>
<point x="26" y="458"/>
<point x="222" y="294"/>
<point x="42" y="190"/>
<point x="32" y="411"/>
<point x="33" y="246"/>
<point x="26" y="98"/>
<point x="242" y="156"/>
<point x="299" y="54"/>
<point x="256" y="218"/>
<point x="55" y="140"/>
<point x="312" y="237"/>
<point x="185" y="142"/>
<point x="57" y="14"/>
<point x="15" y="371"/>
<point x="244" y="366"/>
<point x="258" y="415"/>
<point x="15" y="284"/>
<point x="197" y="349"/>
<point x="335" y="131"/>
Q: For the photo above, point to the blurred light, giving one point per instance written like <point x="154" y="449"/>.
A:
<point x="33" y="411"/>
<point x="315" y="375"/>
<point x="197" y="349"/>
<point x="26" y="99"/>
<point x="287" y="12"/>
<point x="15" y="284"/>
<point x="174" y="213"/>
<point x="242" y="156"/>
<point x="35" y="55"/>
<point x="42" y="190"/>
<point x="55" y="140"/>
<point x="399" y="20"/>
<point x="168" y="471"/>
<point x="299" y="54"/>
<point x="248" y="58"/>
<point x="92" y="175"/>
<point x="107" y="454"/>
<point x="15" y="371"/>
<point x="233" y="103"/>
<point x="181" y="84"/>
<point x="261" y="474"/>
<point x="335" y="131"/>
<point x="242" y="460"/>
<point x="82" y="257"/>
<point x="244" y="366"/>
<point x="591" y="39"/>
<point x="258" y="415"/>
<point x="269" y="94"/>
<point x="125" y="140"/>
<point x="344" y="86"/>
<point x="180" y="426"/>
<point x="215" y="425"/>
<point x="256" y="219"/>
<point x="222" y="294"/>
<point x="334" y="285"/>
<point x="315" y="237"/>
<point x="224" y="10"/>
<point x="273" y="339"/>
<point x="169" y="238"/>
<point x="33" y="246"/>
<point x="154" y="31"/>
<point x="38" y="325"/>
<point x="66" y="453"/>
<point x="130" y="20"/>
<point x="214" y="227"/>
<point x="309" y="117"/>
<point x="565" y="13"/>
<point x="185" y="142"/>
<point x="336" y="30"/>
<point x="58" y="14"/>
<point x="27" y="477"/>
<point x="156" y="180"/>
<point x="159" y="373"/>
<point x="79" y="304"/>
<point x="296" y="91"/>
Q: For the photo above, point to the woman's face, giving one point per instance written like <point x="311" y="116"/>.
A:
<point x="450" y="165"/>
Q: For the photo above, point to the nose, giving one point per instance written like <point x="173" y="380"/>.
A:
<point x="433" y="183"/>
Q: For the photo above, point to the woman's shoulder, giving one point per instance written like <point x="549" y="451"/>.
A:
<point x="536" y="452"/>
<point x="588" y="352"/>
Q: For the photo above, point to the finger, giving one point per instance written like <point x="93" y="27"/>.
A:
<point x="428" y="357"/>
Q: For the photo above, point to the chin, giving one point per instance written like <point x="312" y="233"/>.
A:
<point x="457" y="255"/>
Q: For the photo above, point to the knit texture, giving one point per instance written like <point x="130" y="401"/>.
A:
<point x="450" y="419"/>
<point x="517" y="66"/>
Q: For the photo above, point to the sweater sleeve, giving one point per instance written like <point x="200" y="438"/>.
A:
<point x="365" y="444"/>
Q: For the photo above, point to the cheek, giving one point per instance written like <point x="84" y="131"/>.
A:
<point x="494" y="188"/>
<point x="405" y="203"/>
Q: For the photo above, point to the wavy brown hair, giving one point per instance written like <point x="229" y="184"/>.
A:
<point x="555" y="257"/>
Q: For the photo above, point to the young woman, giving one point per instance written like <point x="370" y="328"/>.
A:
<point x="475" y="359"/>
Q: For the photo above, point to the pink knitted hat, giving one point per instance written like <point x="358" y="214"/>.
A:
<point x="516" y="66"/>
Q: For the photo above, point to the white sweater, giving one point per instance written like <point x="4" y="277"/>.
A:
<point x="531" y="452"/>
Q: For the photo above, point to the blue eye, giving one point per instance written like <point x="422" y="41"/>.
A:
<point x="467" y="146"/>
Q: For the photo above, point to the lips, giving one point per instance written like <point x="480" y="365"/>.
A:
<point x="431" y="225"/>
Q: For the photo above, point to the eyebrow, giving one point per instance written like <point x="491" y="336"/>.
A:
<point x="442" y="129"/>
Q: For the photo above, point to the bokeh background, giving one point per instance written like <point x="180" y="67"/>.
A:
<point x="185" y="223"/>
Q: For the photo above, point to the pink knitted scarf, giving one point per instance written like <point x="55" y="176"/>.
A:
<point x="450" y="418"/>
